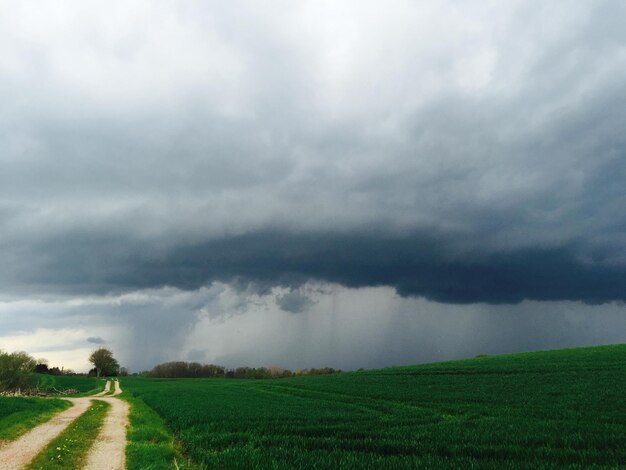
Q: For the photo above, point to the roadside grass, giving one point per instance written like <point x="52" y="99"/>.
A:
<point x="150" y="445"/>
<point x="85" y="385"/>
<point x="19" y="414"/>
<point x="71" y="447"/>
<point x="549" y="409"/>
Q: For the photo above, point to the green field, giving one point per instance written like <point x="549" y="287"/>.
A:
<point x="535" y="410"/>
<point x="18" y="415"/>
<point x="85" y="385"/>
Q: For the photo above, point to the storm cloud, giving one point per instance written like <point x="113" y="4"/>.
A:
<point x="424" y="265"/>
<point x="95" y="340"/>
<point x="460" y="152"/>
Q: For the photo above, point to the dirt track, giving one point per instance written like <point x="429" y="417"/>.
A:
<point x="109" y="450"/>
<point x="107" y="453"/>
<point x="107" y="387"/>
<point x="20" y="452"/>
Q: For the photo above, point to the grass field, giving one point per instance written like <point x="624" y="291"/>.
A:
<point x="85" y="385"/>
<point x="18" y="415"/>
<point x="535" y="410"/>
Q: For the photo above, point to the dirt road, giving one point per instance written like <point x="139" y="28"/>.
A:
<point x="18" y="453"/>
<point x="109" y="451"/>
<point x="107" y="387"/>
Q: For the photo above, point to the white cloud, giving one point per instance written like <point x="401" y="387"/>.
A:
<point x="62" y="347"/>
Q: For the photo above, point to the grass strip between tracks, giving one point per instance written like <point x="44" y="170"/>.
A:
<point x="71" y="448"/>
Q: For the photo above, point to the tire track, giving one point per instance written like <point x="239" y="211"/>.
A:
<point x="109" y="451"/>
<point x="22" y="451"/>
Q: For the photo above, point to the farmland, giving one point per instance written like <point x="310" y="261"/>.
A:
<point x="544" y="409"/>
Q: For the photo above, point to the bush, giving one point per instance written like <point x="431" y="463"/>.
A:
<point x="16" y="370"/>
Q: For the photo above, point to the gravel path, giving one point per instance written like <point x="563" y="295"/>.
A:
<point x="109" y="451"/>
<point x="107" y="387"/>
<point x="16" y="454"/>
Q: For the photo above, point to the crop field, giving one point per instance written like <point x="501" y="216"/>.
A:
<point x="545" y="409"/>
<point x="85" y="385"/>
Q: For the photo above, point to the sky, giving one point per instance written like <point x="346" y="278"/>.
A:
<point x="315" y="183"/>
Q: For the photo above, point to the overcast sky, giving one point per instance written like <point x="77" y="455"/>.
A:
<point x="348" y="184"/>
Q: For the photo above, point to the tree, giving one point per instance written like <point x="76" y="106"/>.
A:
<point x="104" y="362"/>
<point x="15" y="370"/>
<point x="41" y="367"/>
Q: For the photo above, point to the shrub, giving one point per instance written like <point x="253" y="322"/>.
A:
<point x="16" y="370"/>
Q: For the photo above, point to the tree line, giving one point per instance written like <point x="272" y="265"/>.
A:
<point x="183" y="369"/>
<point x="17" y="368"/>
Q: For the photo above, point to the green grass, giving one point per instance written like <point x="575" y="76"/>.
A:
<point x="85" y="385"/>
<point x="551" y="409"/>
<point x="70" y="448"/>
<point x="150" y="445"/>
<point x="18" y="415"/>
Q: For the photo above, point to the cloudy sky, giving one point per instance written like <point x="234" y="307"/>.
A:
<point x="311" y="183"/>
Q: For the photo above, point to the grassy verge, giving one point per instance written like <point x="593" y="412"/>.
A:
<point x="70" y="449"/>
<point x="18" y="415"/>
<point x="150" y="445"/>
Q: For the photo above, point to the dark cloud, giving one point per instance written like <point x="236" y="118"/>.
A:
<point x="294" y="301"/>
<point x="95" y="340"/>
<point x="491" y="188"/>
<point x="415" y="265"/>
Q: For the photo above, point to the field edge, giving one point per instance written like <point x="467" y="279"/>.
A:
<point x="150" y="445"/>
